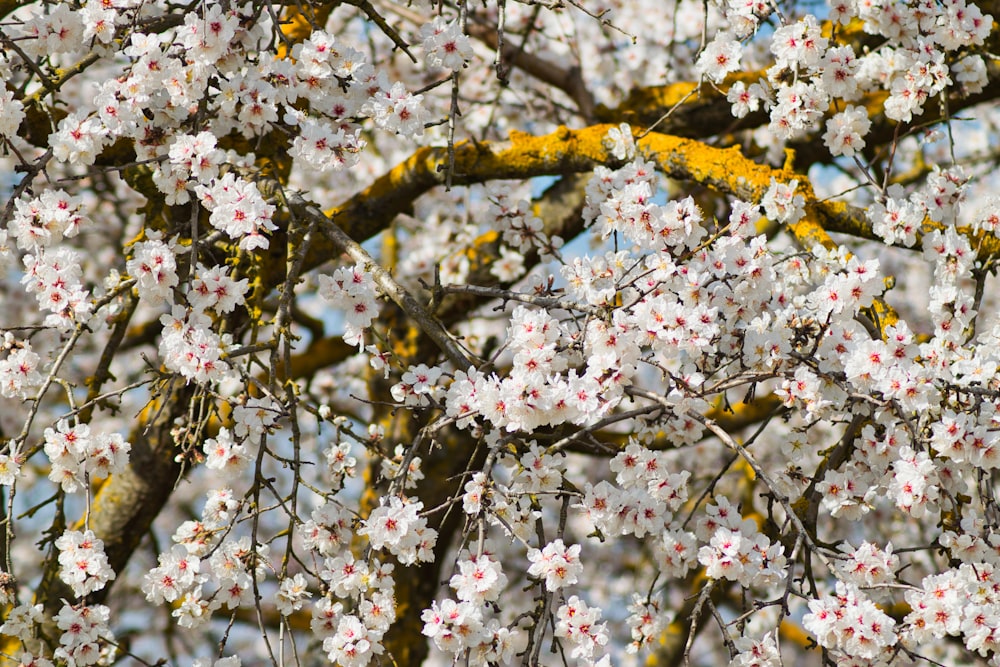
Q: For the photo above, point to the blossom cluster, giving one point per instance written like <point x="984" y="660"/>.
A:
<point x="737" y="550"/>
<point x="351" y="630"/>
<point x="83" y="565"/>
<point x="522" y="230"/>
<point x="352" y="290"/>
<point x="77" y="457"/>
<point x="467" y="625"/>
<point x="445" y="44"/>
<point x="851" y="624"/>
<point x="397" y="527"/>
<point x="52" y="271"/>
<point x="19" y="371"/>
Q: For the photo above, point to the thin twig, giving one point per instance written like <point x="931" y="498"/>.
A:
<point x="548" y="302"/>
<point x="399" y="295"/>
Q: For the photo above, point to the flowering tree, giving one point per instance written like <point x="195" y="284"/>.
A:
<point x="499" y="333"/>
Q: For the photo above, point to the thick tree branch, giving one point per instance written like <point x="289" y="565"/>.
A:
<point x="567" y="79"/>
<point x="562" y="152"/>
